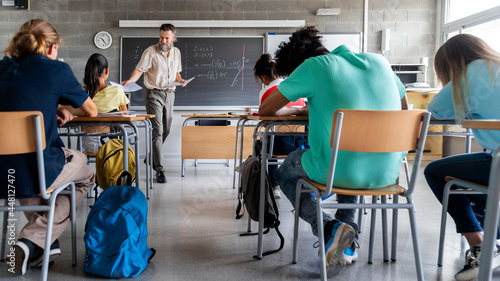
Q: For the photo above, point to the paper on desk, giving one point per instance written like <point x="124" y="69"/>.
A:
<point x="132" y="87"/>
<point x="185" y="82"/>
<point x="116" y="114"/>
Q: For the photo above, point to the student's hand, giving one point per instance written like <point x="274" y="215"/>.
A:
<point x="63" y="116"/>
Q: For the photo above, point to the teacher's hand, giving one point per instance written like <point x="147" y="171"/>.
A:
<point x="126" y="82"/>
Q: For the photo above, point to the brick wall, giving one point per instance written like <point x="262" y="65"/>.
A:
<point x="412" y="23"/>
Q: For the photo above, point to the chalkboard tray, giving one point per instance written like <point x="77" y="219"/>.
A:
<point x="222" y="67"/>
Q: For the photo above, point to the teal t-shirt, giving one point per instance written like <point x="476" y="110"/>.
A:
<point x="483" y="93"/>
<point x="345" y="80"/>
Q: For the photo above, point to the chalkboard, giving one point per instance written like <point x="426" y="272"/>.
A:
<point x="329" y="40"/>
<point x="222" y="67"/>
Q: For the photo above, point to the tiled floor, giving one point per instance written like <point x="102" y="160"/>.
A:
<point x="192" y="226"/>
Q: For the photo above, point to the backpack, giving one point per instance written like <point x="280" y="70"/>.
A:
<point x="109" y="163"/>
<point x="250" y="190"/>
<point x="116" y="234"/>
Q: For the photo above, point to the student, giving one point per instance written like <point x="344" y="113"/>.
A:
<point x="340" y="79"/>
<point x="32" y="79"/>
<point x="469" y="69"/>
<point x="265" y="73"/>
<point x="106" y="98"/>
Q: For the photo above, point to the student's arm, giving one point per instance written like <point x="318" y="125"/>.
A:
<point x="123" y="107"/>
<point x="134" y="76"/>
<point x="404" y="103"/>
<point x="88" y="108"/>
<point x="276" y="103"/>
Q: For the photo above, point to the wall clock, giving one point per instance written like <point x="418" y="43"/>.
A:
<point x="103" y="40"/>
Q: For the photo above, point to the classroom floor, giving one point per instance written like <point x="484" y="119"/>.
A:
<point x="192" y="226"/>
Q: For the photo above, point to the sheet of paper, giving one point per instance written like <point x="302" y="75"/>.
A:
<point x="132" y="87"/>
<point x="116" y="113"/>
<point x="183" y="84"/>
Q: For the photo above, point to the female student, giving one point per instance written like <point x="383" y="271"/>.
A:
<point x="32" y="79"/>
<point x="106" y="98"/>
<point x="469" y="69"/>
<point x="264" y="71"/>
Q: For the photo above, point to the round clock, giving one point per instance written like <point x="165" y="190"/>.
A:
<point x="103" y="40"/>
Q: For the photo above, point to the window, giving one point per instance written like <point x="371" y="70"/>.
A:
<point x="462" y="8"/>
<point x="481" y="19"/>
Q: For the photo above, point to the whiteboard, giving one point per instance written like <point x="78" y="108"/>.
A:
<point x="330" y="41"/>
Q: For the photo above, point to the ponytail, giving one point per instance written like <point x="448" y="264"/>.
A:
<point x="94" y="68"/>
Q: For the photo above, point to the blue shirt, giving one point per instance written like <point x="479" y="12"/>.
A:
<point x="37" y="83"/>
<point x="345" y="80"/>
<point x="483" y="94"/>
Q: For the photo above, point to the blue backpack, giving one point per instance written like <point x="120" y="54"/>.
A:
<point x="116" y="234"/>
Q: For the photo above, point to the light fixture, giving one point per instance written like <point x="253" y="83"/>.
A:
<point x="213" y="23"/>
<point x="328" y="12"/>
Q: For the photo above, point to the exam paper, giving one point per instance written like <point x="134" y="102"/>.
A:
<point x="183" y="84"/>
<point x="132" y="87"/>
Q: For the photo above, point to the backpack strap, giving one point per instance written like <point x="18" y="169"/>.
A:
<point x="127" y="179"/>
<point x="277" y="222"/>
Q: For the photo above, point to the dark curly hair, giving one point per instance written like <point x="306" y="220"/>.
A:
<point x="303" y="44"/>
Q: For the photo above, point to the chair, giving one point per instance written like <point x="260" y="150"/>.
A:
<point x="23" y="132"/>
<point x="464" y="187"/>
<point x="371" y="131"/>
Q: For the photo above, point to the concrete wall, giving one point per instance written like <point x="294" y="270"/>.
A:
<point x="412" y="24"/>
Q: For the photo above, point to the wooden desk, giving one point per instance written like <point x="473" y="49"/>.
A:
<point x="492" y="204"/>
<point x="74" y="129"/>
<point x="211" y="142"/>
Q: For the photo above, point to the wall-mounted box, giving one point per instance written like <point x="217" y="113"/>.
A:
<point x="410" y="73"/>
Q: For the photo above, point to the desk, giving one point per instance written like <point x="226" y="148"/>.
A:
<point x="268" y="123"/>
<point x="74" y="129"/>
<point x="492" y="204"/>
<point x="210" y="142"/>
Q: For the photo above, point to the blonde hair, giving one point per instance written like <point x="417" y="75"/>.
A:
<point x="451" y="61"/>
<point x="34" y="38"/>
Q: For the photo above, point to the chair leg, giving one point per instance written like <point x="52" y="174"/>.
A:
<point x="73" y="223"/>
<point x="416" y="247"/>
<point x="385" y="240"/>
<point x="360" y="213"/>
<point x="394" y="246"/>
<point x="442" y="231"/>
<point x="321" y="238"/>
<point x="296" y="223"/>
<point x="48" y="237"/>
<point x="372" y="232"/>
<point x="5" y="235"/>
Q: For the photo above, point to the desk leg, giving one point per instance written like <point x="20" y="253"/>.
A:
<point x="125" y="147"/>
<point x="236" y="152"/>
<point x="490" y="220"/>
<point x="263" y="191"/>
<point x="183" y="168"/>
<point x="137" y="174"/>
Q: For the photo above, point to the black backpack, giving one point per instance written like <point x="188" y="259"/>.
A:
<point x="250" y="189"/>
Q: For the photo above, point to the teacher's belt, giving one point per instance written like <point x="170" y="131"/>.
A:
<point x="165" y="90"/>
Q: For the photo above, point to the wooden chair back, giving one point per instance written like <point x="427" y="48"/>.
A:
<point x="378" y="131"/>
<point x="17" y="132"/>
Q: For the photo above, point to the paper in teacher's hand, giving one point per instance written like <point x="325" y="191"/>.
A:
<point x="183" y="84"/>
<point x="132" y="87"/>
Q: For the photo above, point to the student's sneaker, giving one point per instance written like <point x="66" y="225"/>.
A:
<point x="472" y="258"/>
<point x="338" y="237"/>
<point x="351" y="254"/>
<point x="277" y="192"/>
<point x="55" y="252"/>
<point x="22" y="253"/>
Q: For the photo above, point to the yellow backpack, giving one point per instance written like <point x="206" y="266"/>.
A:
<point x="109" y="163"/>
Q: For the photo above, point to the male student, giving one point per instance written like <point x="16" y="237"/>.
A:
<point x="340" y="79"/>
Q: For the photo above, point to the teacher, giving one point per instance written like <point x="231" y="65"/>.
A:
<point x="161" y="65"/>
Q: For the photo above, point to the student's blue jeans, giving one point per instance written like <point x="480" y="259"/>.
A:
<point x="473" y="167"/>
<point x="289" y="173"/>
<point x="283" y="145"/>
